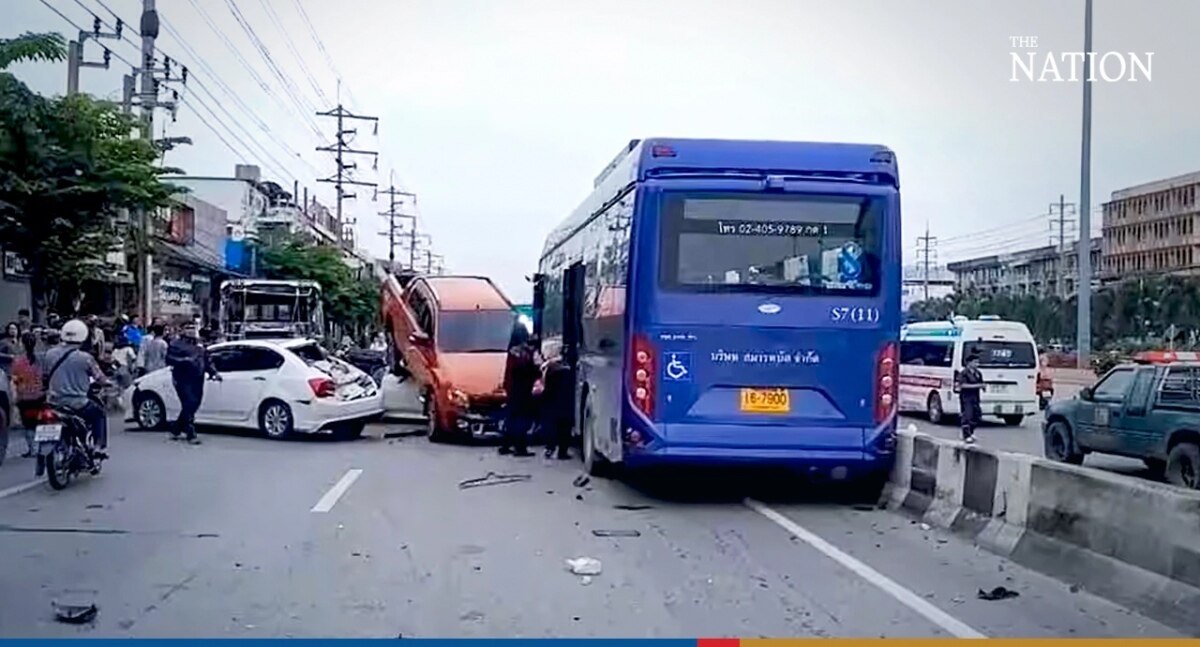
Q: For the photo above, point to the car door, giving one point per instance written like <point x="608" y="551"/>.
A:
<point x="1133" y="430"/>
<point x="1095" y="424"/>
<point x="244" y="371"/>
<point x="242" y="389"/>
<point x="214" y="408"/>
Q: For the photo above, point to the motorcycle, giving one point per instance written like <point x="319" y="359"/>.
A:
<point x="65" y="446"/>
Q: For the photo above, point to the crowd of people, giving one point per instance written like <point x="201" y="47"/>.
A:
<point x="60" y="363"/>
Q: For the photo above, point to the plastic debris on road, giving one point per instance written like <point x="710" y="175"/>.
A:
<point x="585" y="580"/>
<point x="998" y="593"/>
<point x="75" y="614"/>
<point x="493" y="478"/>
<point x="581" y="480"/>
<point x="584" y="566"/>
<point x="632" y="506"/>
<point x="616" y="533"/>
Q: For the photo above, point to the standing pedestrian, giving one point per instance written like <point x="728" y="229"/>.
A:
<point x="10" y="347"/>
<point x="970" y="388"/>
<point x="28" y="370"/>
<point x="24" y="321"/>
<point x="520" y="374"/>
<point x="557" y="408"/>
<point x="133" y="333"/>
<point x="153" y="353"/>
<point x="95" y="341"/>
<point x="124" y="361"/>
<point x="189" y="365"/>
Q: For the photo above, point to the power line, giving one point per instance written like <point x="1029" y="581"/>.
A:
<point x="306" y="108"/>
<point x="316" y="36"/>
<point x="269" y="159"/>
<point x="287" y="40"/>
<point x="76" y="26"/>
<point x="998" y="229"/>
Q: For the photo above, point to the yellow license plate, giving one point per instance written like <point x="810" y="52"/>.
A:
<point x="766" y="401"/>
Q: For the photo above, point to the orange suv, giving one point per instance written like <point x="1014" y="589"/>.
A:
<point x="451" y="333"/>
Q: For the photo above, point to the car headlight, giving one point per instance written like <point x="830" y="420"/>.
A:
<point x="458" y="397"/>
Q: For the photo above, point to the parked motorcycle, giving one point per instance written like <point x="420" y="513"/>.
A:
<point x="65" y="447"/>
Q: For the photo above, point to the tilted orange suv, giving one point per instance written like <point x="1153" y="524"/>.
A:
<point x="451" y="334"/>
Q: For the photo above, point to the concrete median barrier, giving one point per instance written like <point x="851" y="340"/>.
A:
<point x="1134" y="542"/>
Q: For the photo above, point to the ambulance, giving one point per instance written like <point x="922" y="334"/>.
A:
<point x="932" y="353"/>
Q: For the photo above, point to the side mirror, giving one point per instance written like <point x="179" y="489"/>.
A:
<point x="1086" y="394"/>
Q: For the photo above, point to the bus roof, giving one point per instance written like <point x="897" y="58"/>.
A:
<point x="640" y="160"/>
<point x="467" y="293"/>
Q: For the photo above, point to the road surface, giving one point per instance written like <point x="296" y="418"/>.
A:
<point x="246" y="537"/>
<point x="1027" y="438"/>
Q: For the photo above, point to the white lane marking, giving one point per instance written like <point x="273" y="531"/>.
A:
<point x="949" y="623"/>
<point x="17" y="489"/>
<point x="331" y="497"/>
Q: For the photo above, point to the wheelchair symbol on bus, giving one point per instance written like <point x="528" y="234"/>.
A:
<point x="678" y="368"/>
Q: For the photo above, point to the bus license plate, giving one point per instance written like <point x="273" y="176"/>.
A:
<point x="766" y="401"/>
<point x="47" y="433"/>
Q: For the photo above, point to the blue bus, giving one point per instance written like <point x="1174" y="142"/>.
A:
<point x="731" y="302"/>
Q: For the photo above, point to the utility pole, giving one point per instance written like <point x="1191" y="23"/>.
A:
<point x="392" y="215"/>
<point x="1060" y="279"/>
<point x="926" y="245"/>
<point x="75" y="60"/>
<point x="149" y="31"/>
<point x="1083" y="333"/>
<point x="342" y="148"/>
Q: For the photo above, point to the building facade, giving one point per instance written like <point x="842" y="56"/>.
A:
<point x="1042" y="271"/>
<point x="913" y="288"/>
<point x="1152" y="228"/>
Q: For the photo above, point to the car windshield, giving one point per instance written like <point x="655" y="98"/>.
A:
<point x="1002" y="354"/>
<point x="475" y="331"/>
<point x="807" y="244"/>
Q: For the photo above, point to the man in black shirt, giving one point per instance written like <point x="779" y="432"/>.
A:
<point x="970" y="387"/>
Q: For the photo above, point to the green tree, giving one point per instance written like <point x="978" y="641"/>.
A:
<point x="68" y="167"/>
<point x="31" y="47"/>
<point x="349" y="302"/>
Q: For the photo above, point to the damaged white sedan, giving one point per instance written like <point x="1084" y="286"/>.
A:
<point x="280" y="387"/>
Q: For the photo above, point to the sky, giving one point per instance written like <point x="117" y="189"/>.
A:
<point x="499" y="113"/>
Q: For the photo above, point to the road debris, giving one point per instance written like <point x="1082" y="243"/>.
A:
<point x="493" y="478"/>
<point x="578" y="497"/>
<point x="581" y="480"/>
<point x="926" y="527"/>
<point x="75" y="614"/>
<point x="632" y="506"/>
<point x="584" y="566"/>
<point x="998" y="593"/>
<point x="1074" y="588"/>
<point x="862" y="507"/>
<point x="585" y="580"/>
<point x="94" y="506"/>
<point x="617" y="533"/>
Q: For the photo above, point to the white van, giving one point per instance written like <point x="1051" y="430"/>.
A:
<point x="932" y="353"/>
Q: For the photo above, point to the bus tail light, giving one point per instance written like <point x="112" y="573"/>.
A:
<point x="886" y="377"/>
<point x="641" y="375"/>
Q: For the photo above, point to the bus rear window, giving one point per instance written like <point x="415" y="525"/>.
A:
<point x="1001" y="354"/>
<point x="819" y="244"/>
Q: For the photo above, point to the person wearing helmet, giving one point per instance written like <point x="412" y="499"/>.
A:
<point x="70" y="372"/>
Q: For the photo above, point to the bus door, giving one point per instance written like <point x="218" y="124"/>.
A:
<point x="572" y="324"/>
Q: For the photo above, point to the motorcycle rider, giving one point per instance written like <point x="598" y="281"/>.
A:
<point x="70" y="372"/>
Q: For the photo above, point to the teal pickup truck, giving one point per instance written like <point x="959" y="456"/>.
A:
<point x="1151" y="412"/>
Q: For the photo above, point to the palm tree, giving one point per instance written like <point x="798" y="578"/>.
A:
<point x="32" y="47"/>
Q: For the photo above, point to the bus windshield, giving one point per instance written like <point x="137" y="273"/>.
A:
<point x="475" y="331"/>
<point x="808" y="244"/>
